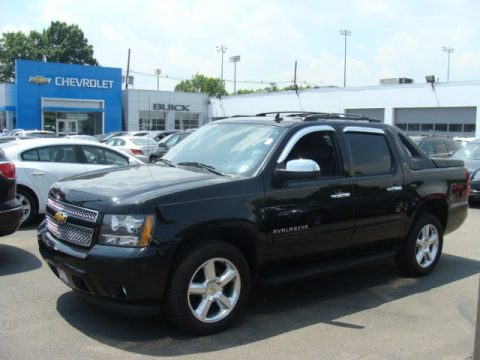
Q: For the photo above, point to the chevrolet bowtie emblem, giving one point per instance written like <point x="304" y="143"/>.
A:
<point x="39" y="80"/>
<point x="60" y="217"/>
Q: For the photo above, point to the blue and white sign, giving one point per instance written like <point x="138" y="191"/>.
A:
<point x="37" y="80"/>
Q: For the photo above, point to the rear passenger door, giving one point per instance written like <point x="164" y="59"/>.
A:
<point x="378" y="185"/>
<point x="48" y="164"/>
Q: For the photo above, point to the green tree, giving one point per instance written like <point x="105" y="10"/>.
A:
<point x="202" y="83"/>
<point x="60" y="42"/>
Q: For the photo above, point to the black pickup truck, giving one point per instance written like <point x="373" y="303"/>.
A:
<point x="272" y="198"/>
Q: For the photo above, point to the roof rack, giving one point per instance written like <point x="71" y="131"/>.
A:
<point x="312" y="116"/>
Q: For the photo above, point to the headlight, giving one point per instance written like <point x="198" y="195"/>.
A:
<point x="126" y="230"/>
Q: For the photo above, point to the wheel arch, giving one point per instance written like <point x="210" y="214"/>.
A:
<point x="436" y="207"/>
<point x="239" y="235"/>
<point x="32" y="193"/>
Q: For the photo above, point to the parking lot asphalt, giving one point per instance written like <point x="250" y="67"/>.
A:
<point x="368" y="313"/>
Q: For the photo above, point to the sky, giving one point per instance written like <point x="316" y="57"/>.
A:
<point x="389" y="38"/>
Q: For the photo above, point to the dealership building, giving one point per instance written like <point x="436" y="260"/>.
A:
<point x="89" y="100"/>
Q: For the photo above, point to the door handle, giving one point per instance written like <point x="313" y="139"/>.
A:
<point x="340" y="195"/>
<point x="394" y="188"/>
<point x="38" y="174"/>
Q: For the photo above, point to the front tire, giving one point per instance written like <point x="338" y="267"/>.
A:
<point x="209" y="289"/>
<point x="29" y="208"/>
<point x="423" y="246"/>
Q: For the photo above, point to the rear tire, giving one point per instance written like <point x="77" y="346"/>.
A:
<point x="208" y="289"/>
<point x="29" y="207"/>
<point x="422" y="247"/>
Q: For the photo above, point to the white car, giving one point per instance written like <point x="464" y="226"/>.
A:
<point x="137" y="146"/>
<point x="41" y="162"/>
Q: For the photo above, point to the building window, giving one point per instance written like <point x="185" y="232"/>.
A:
<point x="401" y="126"/>
<point x="455" y="127"/>
<point x="413" y="127"/>
<point x="441" y="127"/>
<point x="152" y="120"/>
<point x="427" y="127"/>
<point x="469" y="128"/>
<point x="186" y="120"/>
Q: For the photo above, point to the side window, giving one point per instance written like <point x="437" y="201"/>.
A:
<point x="452" y="145"/>
<point x="409" y="148"/>
<point x="96" y="155"/>
<point x="318" y="146"/>
<point x="370" y="153"/>
<point x="62" y="153"/>
<point x="439" y="147"/>
<point x="428" y="147"/>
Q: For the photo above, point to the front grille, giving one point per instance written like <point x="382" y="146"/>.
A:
<point x="71" y="233"/>
<point x="72" y="210"/>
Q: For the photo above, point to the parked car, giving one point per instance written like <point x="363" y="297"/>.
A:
<point x="82" y="137"/>
<point x="10" y="208"/>
<point x="274" y="198"/>
<point x="105" y="137"/>
<point x="41" y="162"/>
<point x="470" y="154"/>
<point x="36" y="133"/>
<point x="6" y="138"/>
<point x="140" y="147"/>
<point x="156" y="135"/>
<point x="167" y="143"/>
<point x="437" y="146"/>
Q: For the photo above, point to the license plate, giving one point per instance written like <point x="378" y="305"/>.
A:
<point x="63" y="276"/>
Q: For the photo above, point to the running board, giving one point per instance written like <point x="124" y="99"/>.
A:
<point x="276" y="277"/>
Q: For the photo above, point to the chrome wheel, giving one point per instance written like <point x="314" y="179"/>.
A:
<point x="214" y="290"/>
<point x="427" y="246"/>
<point x="26" y="207"/>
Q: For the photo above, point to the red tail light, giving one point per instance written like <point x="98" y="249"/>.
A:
<point x="137" y="152"/>
<point x="7" y="169"/>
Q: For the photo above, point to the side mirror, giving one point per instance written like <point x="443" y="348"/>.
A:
<point x="298" y="170"/>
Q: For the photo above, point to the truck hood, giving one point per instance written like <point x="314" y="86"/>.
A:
<point x="125" y="187"/>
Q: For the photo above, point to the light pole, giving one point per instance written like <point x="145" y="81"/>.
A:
<point x="448" y="50"/>
<point x="234" y="60"/>
<point x="222" y="49"/>
<point x="345" y="33"/>
<point x="158" y="72"/>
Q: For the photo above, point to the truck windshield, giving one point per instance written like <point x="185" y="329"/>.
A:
<point x="235" y="149"/>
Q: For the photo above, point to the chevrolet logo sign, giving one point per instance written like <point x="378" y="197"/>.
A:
<point x="61" y="217"/>
<point x="39" y="80"/>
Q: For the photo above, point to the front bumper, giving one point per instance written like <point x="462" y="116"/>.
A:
<point x="108" y="274"/>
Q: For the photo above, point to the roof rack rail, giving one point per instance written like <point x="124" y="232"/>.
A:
<point x="289" y="113"/>
<point x="340" y="116"/>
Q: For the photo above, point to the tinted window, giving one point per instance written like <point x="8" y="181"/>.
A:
<point x="58" y="153"/>
<point x="97" y="155"/>
<point x="370" y="153"/>
<point x="319" y="147"/>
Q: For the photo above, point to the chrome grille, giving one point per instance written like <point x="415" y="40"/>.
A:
<point x="72" y="210"/>
<point x="71" y="233"/>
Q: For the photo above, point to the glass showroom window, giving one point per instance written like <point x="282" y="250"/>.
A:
<point x="441" y="127"/>
<point x="186" y="120"/>
<point x="152" y="120"/>
<point x="455" y="127"/>
<point x="470" y="128"/>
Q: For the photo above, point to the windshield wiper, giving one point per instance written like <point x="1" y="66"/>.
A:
<point x="165" y="161"/>
<point x="209" y="168"/>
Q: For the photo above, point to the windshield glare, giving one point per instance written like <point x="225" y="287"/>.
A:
<point x="236" y="149"/>
<point x="468" y="152"/>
